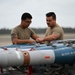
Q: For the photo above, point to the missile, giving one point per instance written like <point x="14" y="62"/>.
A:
<point x="11" y="58"/>
<point x="24" y="45"/>
<point x="39" y="47"/>
<point x="62" y="56"/>
<point x="53" y="44"/>
<point x="37" y="57"/>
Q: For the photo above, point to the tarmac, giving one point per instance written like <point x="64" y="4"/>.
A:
<point x="38" y="71"/>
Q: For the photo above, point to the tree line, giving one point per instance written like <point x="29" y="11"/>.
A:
<point x="37" y="30"/>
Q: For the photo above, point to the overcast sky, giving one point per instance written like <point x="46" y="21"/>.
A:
<point x="11" y="11"/>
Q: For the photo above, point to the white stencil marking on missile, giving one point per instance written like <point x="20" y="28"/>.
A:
<point x="64" y="54"/>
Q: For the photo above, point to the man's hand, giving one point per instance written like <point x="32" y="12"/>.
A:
<point x="39" y="40"/>
<point x="31" y="41"/>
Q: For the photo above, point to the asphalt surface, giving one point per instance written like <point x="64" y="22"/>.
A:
<point x="37" y="72"/>
<point x="19" y="73"/>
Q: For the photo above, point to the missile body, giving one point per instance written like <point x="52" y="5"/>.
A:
<point x="62" y="56"/>
<point x="11" y="58"/>
<point x="65" y="55"/>
<point x="17" y="58"/>
<point x="53" y="47"/>
<point x="40" y="47"/>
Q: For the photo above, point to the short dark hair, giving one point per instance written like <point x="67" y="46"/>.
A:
<point x="51" y="14"/>
<point x="26" y="15"/>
